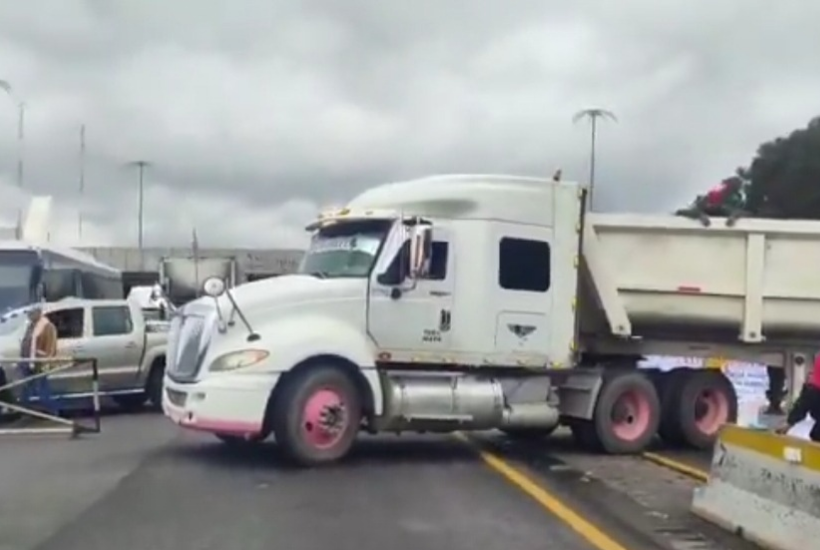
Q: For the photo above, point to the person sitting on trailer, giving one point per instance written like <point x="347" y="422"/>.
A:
<point x="808" y="403"/>
<point x="724" y="200"/>
<point x="39" y="341"/>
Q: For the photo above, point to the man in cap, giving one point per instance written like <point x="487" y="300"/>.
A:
<point x="39" y="342"/>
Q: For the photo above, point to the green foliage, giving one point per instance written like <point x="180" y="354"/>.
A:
<point x="783" y="179"/>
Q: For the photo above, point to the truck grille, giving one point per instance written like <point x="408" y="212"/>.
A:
<point x="187" y="347"/>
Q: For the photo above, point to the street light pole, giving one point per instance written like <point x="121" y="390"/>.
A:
<point x="593" y="114"/>
<point x="5" y="85"/>
<point x="141" y="165"/>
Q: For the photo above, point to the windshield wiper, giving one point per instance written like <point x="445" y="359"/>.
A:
<point x="319" y="274"/>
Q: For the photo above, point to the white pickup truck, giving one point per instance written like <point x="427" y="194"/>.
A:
<point x="479" y="302"/>
<point x="130" y="353"/>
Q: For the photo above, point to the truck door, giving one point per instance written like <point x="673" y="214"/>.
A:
<point x="523" y="300"/>
<point x="71" y="326"/>
<point x="415" y="321"/>
<point x="117" y="344"/>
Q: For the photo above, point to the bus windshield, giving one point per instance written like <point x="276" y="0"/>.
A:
<point x="345" y="249"/>
<point x="17" y="284"/>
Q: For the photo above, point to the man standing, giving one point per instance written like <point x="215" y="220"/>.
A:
<point x="808" y="403"/>
<point x="40" y="342"/>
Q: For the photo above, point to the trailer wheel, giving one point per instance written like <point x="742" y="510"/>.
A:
<point x="626" y="415"/>
<point x="317" y="415"/>
<point x="702" y="402"/>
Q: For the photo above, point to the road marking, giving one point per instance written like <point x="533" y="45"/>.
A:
<point x="679" y="467"/>
<point x="595" y="536"/>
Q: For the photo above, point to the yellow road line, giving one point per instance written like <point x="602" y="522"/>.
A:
<point x="679" y="467"/>
<point x="591" y="533"/>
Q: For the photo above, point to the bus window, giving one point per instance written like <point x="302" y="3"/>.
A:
<point x="17" y="284"/>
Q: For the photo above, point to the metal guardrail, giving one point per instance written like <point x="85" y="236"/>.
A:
<point x="70" y="427"/>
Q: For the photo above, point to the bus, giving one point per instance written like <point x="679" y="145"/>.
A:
<point x="45" y="273"/>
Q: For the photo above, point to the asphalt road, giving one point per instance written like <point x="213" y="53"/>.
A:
<point x="144" y="485"/>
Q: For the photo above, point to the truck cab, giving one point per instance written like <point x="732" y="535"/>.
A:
<point x="437" y="278"/>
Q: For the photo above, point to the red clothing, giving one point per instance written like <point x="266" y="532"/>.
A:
<point x="716" y="195"/>
<point x="814" y="378"/>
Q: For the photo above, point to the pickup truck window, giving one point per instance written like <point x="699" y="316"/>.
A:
<point x="68" y="322"/>
<point x="523" y="264"/>
<point x="111" y="320"/>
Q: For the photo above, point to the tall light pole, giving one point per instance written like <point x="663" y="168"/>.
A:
<point x="81" y="184"/>
<point x="140" y="165"/>
<point x="593" y="115"/>
<point x="5" y="85"/>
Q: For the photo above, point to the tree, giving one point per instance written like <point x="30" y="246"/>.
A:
<point x="783" y="179"/>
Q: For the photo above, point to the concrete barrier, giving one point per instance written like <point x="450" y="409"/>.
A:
<point x="765" y="488"/>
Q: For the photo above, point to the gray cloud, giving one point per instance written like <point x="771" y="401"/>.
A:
<point x="255" y="113"/>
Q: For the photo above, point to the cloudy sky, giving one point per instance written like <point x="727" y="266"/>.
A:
<point x="257" y="112"/>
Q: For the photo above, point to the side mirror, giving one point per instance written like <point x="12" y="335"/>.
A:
<point x="421" y="248"/>
<point x="214" y="287"/>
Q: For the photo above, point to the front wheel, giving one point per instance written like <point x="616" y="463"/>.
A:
<point x="317" y="415"/>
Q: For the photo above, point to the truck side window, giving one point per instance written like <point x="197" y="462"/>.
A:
<point x="111" y="320"/>
<point x="523" y="264"/>
<point x="68" y="322"/>
<point x="438" y="260"/>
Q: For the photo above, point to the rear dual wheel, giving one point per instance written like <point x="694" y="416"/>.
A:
<point x="626" y="416"/>
<point x="696" y="403"/>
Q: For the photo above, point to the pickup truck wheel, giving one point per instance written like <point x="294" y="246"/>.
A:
<point x="317" y="415"/>
<point x="627" y="414"/>
<point x="153" y="387"/>
<point x="704" y="401"/>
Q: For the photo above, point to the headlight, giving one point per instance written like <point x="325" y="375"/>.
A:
<point x="238" y="360"/>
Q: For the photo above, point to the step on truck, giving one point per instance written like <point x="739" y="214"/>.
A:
<point x="457" y="303"/>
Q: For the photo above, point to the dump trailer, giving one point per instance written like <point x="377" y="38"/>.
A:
<point x="457" y="303"/>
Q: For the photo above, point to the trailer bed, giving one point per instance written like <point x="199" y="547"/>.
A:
<point x="648" y="276"/>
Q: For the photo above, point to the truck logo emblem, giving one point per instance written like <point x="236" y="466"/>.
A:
<point x="522" y="331"/>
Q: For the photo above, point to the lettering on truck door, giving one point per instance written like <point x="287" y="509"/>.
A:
<point x="420" y="320"/>
<point x="117" y="344"/>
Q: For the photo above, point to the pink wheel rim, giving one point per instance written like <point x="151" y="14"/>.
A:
<point x="711" y="411"/>
<point x="324" y="419"/>
<point x="631" y="416"/>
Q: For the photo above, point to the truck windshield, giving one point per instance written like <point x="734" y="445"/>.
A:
<point x="17" y="284"/>
<point x="345" y="249"/>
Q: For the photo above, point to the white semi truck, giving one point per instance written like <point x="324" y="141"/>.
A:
<point x="457" y="303"/>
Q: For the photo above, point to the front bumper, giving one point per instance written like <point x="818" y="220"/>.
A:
<point x="226" y="404"/>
